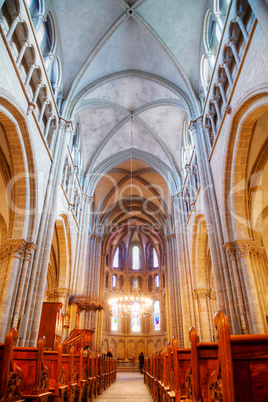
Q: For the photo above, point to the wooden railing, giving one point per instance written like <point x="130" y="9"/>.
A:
<point x="233" y="369"/>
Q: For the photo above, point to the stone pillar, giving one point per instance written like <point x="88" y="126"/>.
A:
<point x="15" y="256"/>
<point x="231" y="43"/>
<point x="15" y="20"/>
<point x="225" y="64"/>
<point x="50" y="117"/>
<point x="24" y="45"/>
<point x="32" y="66"/>
<point x="40" y="84"/>
<point x="215" y="100"/>
<point x="45" y="102"/>
<point x="24" y="281"/>
<point x="219" y="83"/>
<point x="215" y="235"/>
<point x="238" y="18"/>
<point x="210" y="115"/>
<point x="201" y="296"/>
<point x="244" y="249"/>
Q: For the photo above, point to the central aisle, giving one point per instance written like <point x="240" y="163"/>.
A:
<point x="128" y="387"/>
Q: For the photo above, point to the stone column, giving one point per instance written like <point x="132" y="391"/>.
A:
<point x="45" y="102"/>
<point x="225" y="64"/>
<point x="210" y="115"/>
<point x="238" y="18"/>
<point x="215" y="100"/>
<point x="16" y="18"/>
<point x="40" y="84"/>
<point x="248" y="277"/>
<point x="201" y="295"/>
<point x="16" y="253"/>
<point x="219" y="83"/>
<point x="24" y="45"/>
<point x="235" y="280"/>
<point x="24" y="281"/>
<point x="231" y="43"/>
<point x="50" y="117"/>
<point x="215" y="235"/>
<point x="32" y="66"/>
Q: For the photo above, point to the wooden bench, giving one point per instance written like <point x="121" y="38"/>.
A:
<point x="35" y="373"/>
<point x="11" y="376"/>
<point x="57" y="383"/>
<point x="241" y="372"/>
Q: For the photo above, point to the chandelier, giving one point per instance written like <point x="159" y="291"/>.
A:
<point x="126" y="305"/>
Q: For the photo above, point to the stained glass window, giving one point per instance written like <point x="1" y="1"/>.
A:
<point x="115" y="317"/>
<point x="28" y="3"/>
<point x="136" y="258"/>
<point x="116" y="258"/>
<point x="136" y="318"/>
<point x="114" y="282"/>
<point x="156" y="315"/>
<point x="155" y="259"/>
<point x="156" y="281"/>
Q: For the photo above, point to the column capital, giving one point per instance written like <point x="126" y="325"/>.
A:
<point x="210" y="115"/>
<point x="17" y="247"/>
<point x="215" y="99"/>
<point x="219" y="82"/>
<point x="230" y="41"/>
<point x="200" y="293"/>
<point x="225" y="63"/>
<point x="29" y="251"/>
<point x="244" y="247"/>
<point x="230" y="249"/>
<point x="238" y="15"/>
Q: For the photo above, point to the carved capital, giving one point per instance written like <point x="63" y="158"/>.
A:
<point x="220" y="82"/>
<point x="210" y="115"/>
<point x="201" y="293"/>
<point x="215" y="99"/>
<point x="31" y="107"/>
<point x="228" y="109"/>
<point x="230" y="41"/>
<point x="238" y="15"/>
<point x="17" y="247"/>
<point x="230" y="249"/>
<point x="29" y="251"/>
<point x="243" y="247"/>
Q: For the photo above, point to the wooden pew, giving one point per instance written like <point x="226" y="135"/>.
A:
<point x="241" y="373"/>
<point x="35" y="373"/>
<point x="11" y="377"/>
<point x="70" y="374"/>
<point x="203" y="361"/>
<point x="57" y="383"/>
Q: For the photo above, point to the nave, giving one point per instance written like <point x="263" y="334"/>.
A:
<point x="128" y="387"/>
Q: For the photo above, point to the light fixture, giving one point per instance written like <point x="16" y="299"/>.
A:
<point x="125" y="304"/>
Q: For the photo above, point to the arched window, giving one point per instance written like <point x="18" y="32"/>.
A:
<point x="135" y="258"/>
<point x="116" y="258"/>
<point x="114" y="323"/>
<point x="156" y="281"/>
<point x="157" y="315"/>
<point x="136" y="318"/>
<point x="114" y="282"/>
<point x="155" y="259"/>
<point x="40" y="33"/>
<point x="28" y="3"/>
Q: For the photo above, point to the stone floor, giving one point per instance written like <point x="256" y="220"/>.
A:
<point x="127" y="387"/>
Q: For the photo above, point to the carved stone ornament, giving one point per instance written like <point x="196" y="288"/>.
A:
<point x="29" y="251"/>
<point x="17" y="247"/>
<point x="201" y="293"/>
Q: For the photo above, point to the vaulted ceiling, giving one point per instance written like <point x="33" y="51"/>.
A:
<point x="131" y="67"/>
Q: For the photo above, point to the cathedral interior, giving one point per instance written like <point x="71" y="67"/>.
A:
<point x="133" y="170"/>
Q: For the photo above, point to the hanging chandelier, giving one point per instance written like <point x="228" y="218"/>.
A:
<point x="126" y="305"/>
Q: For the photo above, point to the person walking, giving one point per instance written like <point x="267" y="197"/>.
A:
<point x="141" y="361"/>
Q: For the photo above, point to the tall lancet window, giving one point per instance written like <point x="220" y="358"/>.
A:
<point x="116" y="258"/>
<point x="155" y="259"/>
<point x="136" y="258"/>
<point x="136" y="317"/>
<point x="157" y="315"/>
<point x="114" y="317"/>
